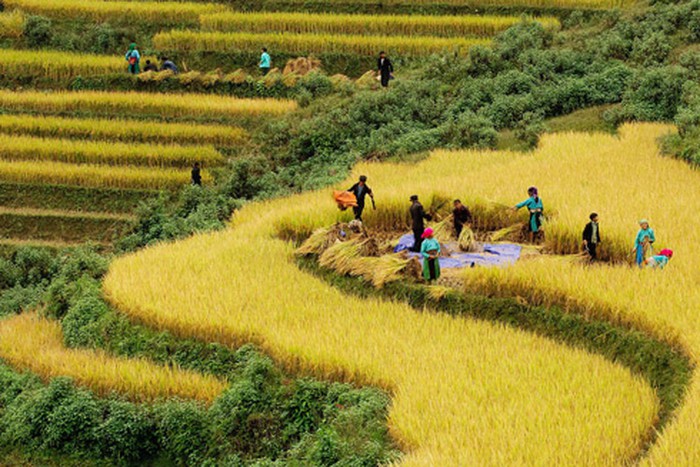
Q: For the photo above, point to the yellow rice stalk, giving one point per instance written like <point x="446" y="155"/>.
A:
<point x="95" y="176"/>
<point x="121" y="130"/>
<point x="193" y="41"/>
<point x="341" y="256"/>
<point x="357" y="24"/>
<point x="546" y="4"/>
<point x="17" y="148"/>
<point x="167" y="13"/>
<point x="506" y="233"/>
<point x="317" y="243"/>
<point x="11" y="24"/>
<point x="35" y="344"/>
<point x="467" y="240"/>
<point x="237" y="77"/>
<point x="444" y="230"/>
<point x="454" y="392"/>
<point x="385" y="269"/>
<point x="192" y="106"/>
<point x="57" y="65"/>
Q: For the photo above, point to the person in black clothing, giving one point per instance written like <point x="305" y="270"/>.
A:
<point x="591" y="237"/>
<point x="384" y="68"/>
<point x="196" y="175"/>
<point x="417" y="224"/>
<point x="360" y="190"/>
<point x="461" y="216"/>
<point x="150" y="66"/>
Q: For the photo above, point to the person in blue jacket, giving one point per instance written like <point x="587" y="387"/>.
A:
<point x="536" y="208"/>
<point x="643" y="241"/>
<point x="430" y="251"/>
<point x="265" y="62"/>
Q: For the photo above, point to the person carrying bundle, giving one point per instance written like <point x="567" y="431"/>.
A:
<point x="430" y="251"/>
<point x="536" y="208"/>
<point x="133" y="57"/>
<point x="643" y="242"/>
<point x="361" y="190"/>
<point x="418" y="215"/>
<point x="461" y="216"/>
<point x="661" y="260"/>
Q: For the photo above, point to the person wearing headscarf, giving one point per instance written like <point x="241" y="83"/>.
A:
<point x="133" y="58"/>
<point x="643" y="241"/>
<point x="661" y="260"/>
<point x="430" y="252"/>
<point x="535" y="208"/>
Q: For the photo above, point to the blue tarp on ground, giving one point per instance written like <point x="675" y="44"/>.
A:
<point x="495" y="254"/>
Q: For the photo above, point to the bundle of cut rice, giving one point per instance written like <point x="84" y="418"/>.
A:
<point x="467" y="240"/>
<point x="341" y="256"/>
<point x="443" y="231"/>
<point x="317" y="243"/>
<point x="507" y="233"/>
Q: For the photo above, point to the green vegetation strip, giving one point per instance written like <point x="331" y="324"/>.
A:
<point x="667" y="370"/>
<point x="52" y="226"/>
<point x="45" y="196"/>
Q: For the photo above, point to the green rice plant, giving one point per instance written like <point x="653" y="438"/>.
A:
<point x="121" y="130"/>
<point x="379" y="25"/>
<point x="17" y="148"/>
<point x="193" y="41"/>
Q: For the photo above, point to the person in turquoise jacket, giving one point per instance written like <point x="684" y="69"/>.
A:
<point x="536" y="208"/>
<point x="133" y="58"/>
<point x="661" y="260"/>
<point x="643" y="242"/>
<point x="430" y="251"/>
<point x="265" y="62"/>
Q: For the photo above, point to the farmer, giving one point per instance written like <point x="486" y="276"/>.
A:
<point x="591" y="236"/>
<point x="461" y="216"/>
<point x="660" y="260"/>
<point x="133" y="57"/>
<point x="361" y="190"/>
<point x="643" y="242"/>
<point x="417" y="225"/>
<point x="384" y="69"/>
<point x="150" y="66"/>
<point x="535" y="207"/>
<point x="265" y="62"/>
<point x="196" y="175"/>
<point x="169" y="65"/>
<point x="430" y="251"/>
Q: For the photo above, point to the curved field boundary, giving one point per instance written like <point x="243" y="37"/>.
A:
<point x="121" y="130"/>
<point x="668" y="370"/>
<point x="382" y="25"/>
<point x="458" y="385"/>
<point x="30" y="342"/>
<point x="191" y="106"/>
<point x="194" y="41"/>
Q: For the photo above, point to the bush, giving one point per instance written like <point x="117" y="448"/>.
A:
<point x="529" y="129"/>
<point x="38" y="31"/>
<point x="470" y="130"/>
<point x="651" y="50"/>
<point x="183" y="431"/>
<point x="127" y="433"/>
<point x="655" y="94"/>
<point x="36" y="265"/>
<point x="82" y="321"/>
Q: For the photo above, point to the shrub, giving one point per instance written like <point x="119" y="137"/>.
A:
<point x="655" y="94"/>
<point x="127" y="433"/>
<point x="470" y="130"/>
<point x="183" y="431"/>
<point x="38" y="31"/>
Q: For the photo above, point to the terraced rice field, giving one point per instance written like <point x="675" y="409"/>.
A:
<point x="385" y="344"/>
<point x="37" y="344"/>
<point x="118" y="141"/>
